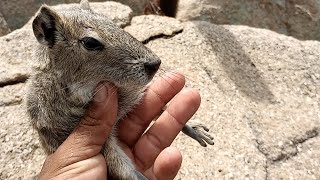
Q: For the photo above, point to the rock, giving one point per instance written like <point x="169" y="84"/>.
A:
<point x="305" y="164"/>
<point x="136" y="5"/>
<point x="18" y="13"/>
<point x="155" y="26"/>
<point x="12" y="94"/>
<point x="15" y="56"/>
<point x="260" y="98"/>
<point x="118" y="13"/>
<point x="295" y="18"/>
<point x="21" y="156"/>
<point x="4" y="29"/>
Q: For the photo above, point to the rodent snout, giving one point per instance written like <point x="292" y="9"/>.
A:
<point x="151" y="67"/>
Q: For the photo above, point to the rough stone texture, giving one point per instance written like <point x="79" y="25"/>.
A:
<point x="17" y="12"/>
<point x="153" y="26"/>
<point x="21" y="156"/>
<point x="260" y="98"/>
<point x="15" y="55"/>
<point x="136" y="5"/>
<point x="304" y="165"/>
<point x="4" y="29"/>
<point x="118" y="13"/>
<point x="12" y="94"/>
<point x="297" y="18"/>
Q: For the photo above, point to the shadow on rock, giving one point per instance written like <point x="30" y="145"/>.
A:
<point x="235" y="62"/>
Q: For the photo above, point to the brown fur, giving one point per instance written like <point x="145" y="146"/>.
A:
<point x="61" y="89"/>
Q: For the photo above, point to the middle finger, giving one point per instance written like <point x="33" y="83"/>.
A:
<point x="166" y="128"/>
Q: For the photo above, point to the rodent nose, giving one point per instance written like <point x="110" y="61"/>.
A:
<point x="151" y="67"/>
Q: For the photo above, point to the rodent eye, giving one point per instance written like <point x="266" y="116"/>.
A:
<point x="91" y="44"/>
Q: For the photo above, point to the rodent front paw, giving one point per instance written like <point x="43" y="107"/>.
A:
<point x="199" y="133"/>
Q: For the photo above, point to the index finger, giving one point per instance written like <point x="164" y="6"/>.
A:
<point x="156" y="97"/>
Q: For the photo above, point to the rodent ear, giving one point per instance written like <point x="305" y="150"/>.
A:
<point x="84" y="4"/>
<point x="44" y="26"/>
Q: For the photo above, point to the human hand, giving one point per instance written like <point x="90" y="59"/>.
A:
<point x="150" y="150"/>
<point x="79" y="156"/>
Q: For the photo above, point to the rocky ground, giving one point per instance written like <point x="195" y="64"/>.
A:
<point x="260" y="97"/>
<point x="300" y="19"/>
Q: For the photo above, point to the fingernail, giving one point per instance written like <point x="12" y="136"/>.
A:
<point x="101" y="93"/>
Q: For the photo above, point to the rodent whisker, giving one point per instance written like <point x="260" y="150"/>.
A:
<point x="163" y="70"/>
<point x="130" y="63"/>
<point x="164" y="76"/>
<point x="113" y="91"/>
<point x="86" y="103"/>
<point x="74" y="84"/>
<point x="174" y="73"/>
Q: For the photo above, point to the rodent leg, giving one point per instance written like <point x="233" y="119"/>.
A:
<point x="199" y="133"/>
<point x="196" y="131"/>
<point x="119" y="165"/>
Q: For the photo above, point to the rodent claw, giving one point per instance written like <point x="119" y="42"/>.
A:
<point x="199" y="133"/>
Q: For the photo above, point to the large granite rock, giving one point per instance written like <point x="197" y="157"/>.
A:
<point x="153" y="27"/>
<point x="260" y="97"/>
<point x="297" y="18"/>
<point x="17" y="12"/>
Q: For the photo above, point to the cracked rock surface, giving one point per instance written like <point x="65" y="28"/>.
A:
<point x="261" y="95"/>
<point x="295" y="18"/>
<point x="260" y="98"/>
<point x="304" y="165"/>
<point x="153" y="27"/>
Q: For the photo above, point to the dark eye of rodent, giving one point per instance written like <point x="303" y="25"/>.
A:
<point x="91" y="44"/>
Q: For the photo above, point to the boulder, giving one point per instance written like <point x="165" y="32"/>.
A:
<point x="136" y="5"/>
<point x="260" y="98"/>
<point x="295" y="18"/>
<point x="17" y="13"/>
<point x="153" y="26"/>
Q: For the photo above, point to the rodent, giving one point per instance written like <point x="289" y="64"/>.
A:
<point x="78" y="49"/>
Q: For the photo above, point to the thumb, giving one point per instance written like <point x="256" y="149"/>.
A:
<point x="88" y="138"/>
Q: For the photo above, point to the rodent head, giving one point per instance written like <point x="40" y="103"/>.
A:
<point x="80" y="43"/>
